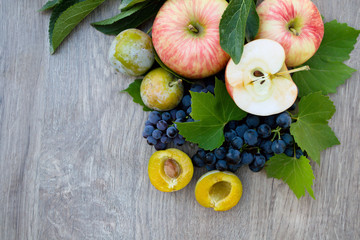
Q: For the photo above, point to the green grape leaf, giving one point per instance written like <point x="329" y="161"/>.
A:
<point x="126" y="4"/>
<point x="66" y="16"/>
<point x="134" y="91"/>
<point x="232" y="28"/>
<point x="311" y="131"/>
<point x="49" y="5"/>
<point x="338" y="42"/>
<point x="327" y="71"/>
<point x="130" y="18"/>
<point x="297" y="173"/>
<point x="120" y="16"/>
<point x="252" y="23"/>
<point x="211" y="113"/>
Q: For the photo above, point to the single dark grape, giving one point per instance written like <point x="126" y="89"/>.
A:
<point x="210" y="167"/>
<point x="221" y="165"/>
<point x="252" y="121"/>
<point x="201" y="153"/>
<point x="147" y="123"/>
<point x="196" y="88"/>
<point x="251" y="137"/>
<point x="299" y="153"/>
<point x="270" y="120"/>
<point x="264" y="130"/>
<point x="179" y="140"/>
<point x="240" y="130"/>
<point x="180" y="114"/>
<point x="180" y="120"/>
<point x="166" y="116"/>
<point x="210" y="158"/>
<point x="160" y="146"/>
<point x="162" y="125"/>
<point x="278" y="146"/>
<point x="156" y="134"/>
<point x="231" y="125"/>
<point x="165" y="139"/>
<point x="189" y="110"/>
<point x="154" y="117"/>
<point x="268" y="156"/>
<point x="198" y="161"/>
<point x="246" y="158"/>
<point x="259" y="160"/>
<point x="234" y="167"/>
<point x="293" y="107"/>
<point x="211" y="88"/>
<point x="233" y="156"/>
<point x="237" y="142"/>
<point x="173" y="114"/>
<point x="266" y="146"/>
<point x="289" y="151"/>
<point x="220" y="153"/>
<point x="288" y="139"/>
<point x="254" y="168"/>
<point x="148" y="130"/>
<point x="151" y="140"/>
<point x="171" y="132"/>
<point x="283" y="120"/>
<point x="186" y="101"/>
<point x="229" y="135"/>
<point x="204" y="90"/>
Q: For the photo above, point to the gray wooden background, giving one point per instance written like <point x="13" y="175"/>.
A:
<point x="73" y="164"/>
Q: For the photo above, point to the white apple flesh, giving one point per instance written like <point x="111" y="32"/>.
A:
<point x="260" y="84"/>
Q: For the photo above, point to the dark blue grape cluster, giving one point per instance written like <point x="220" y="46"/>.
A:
<point x="251" y="141"/>
<point x="160" y="128"/>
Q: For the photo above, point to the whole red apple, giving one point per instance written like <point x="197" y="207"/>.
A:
<point x="186" y="37"/>
<point x="296" y="24"/>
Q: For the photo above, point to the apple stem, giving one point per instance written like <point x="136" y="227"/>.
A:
<point x="178" y="81"/>
<point x="192" y="28"/>
<point x="294" y="31"/>
<point x="304" y="68"/>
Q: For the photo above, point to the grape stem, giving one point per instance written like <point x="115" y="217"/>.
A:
<point x="293" y="116"/>
<point x="276" y="133"/>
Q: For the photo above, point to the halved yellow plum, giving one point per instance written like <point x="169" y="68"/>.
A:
<point x="170" y="170"/>
<point x="218" y="190"/>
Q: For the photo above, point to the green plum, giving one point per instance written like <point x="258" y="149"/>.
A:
<point x="132" y="52"/>
<point x="160" y="90"/>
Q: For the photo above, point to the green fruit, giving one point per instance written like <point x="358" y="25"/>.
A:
<point x="131" y="52"/>
<point x="160" y="90"/>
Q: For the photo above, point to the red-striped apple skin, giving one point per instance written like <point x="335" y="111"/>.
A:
<point x="192" y="55"/>
<point x="276" y="19"/>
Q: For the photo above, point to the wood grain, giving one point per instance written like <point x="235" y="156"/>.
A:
<point x="73" y="164"/>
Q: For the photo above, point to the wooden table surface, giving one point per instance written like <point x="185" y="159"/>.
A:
<point x="73" y="164"/>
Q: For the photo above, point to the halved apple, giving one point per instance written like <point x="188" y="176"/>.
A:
<point x="260" y="84"/>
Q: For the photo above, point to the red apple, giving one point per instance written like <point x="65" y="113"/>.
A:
<point x="186" y="37"/>
<point x="295" y="24"/>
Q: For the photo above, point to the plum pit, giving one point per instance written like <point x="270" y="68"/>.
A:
<point x="172" y="168"/>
